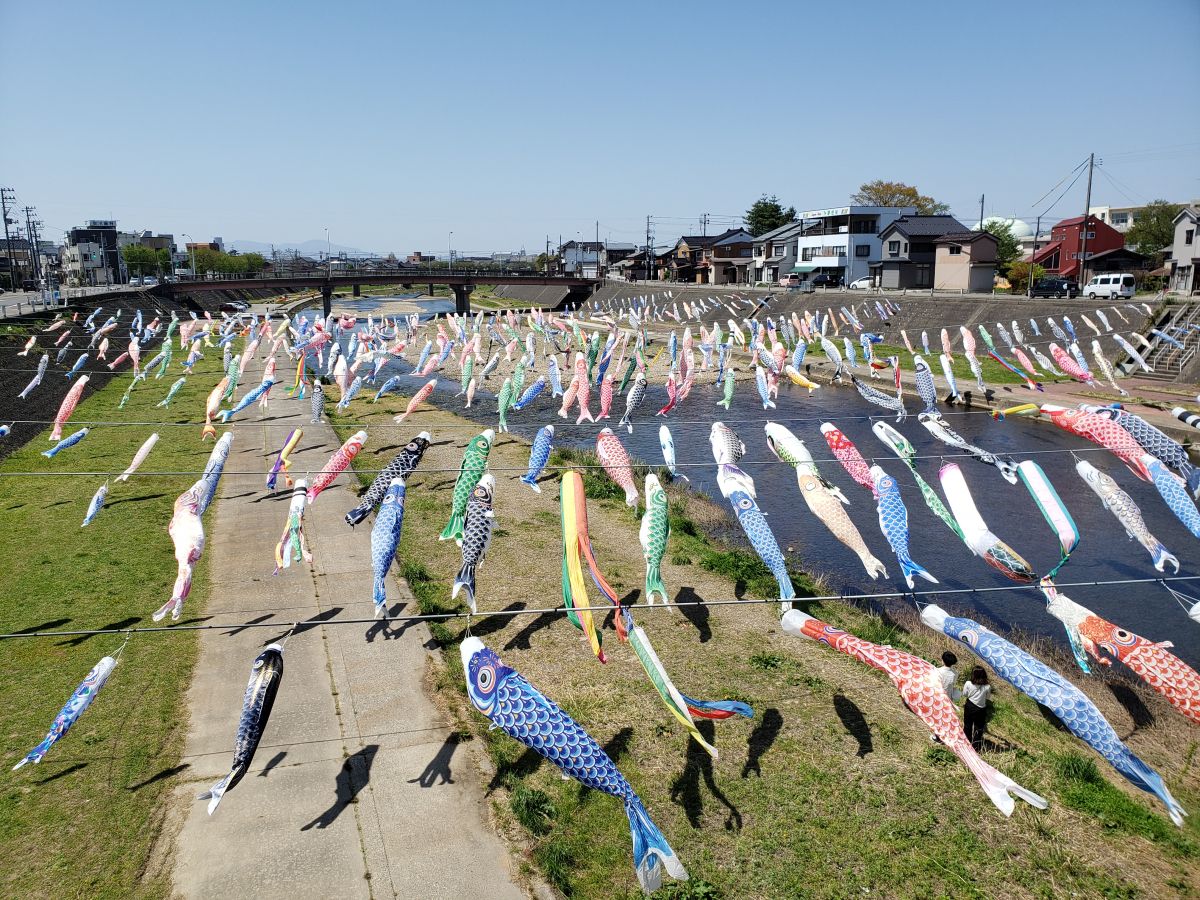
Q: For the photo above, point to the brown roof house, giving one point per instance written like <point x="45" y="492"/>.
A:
<point x="916" y="253"/>
<point x="965" y="261"/>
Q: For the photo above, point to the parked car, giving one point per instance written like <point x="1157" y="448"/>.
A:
<point x="821" y="279"/>
<point x="135" y="281"/>
<point x="790" y="281"/>
<point x="1110" y="287"/>
<point x="234" y="306"/>
<point x="149" y="281"/>
<point x="1055" y="287"/>
<point x="861" y="284"/>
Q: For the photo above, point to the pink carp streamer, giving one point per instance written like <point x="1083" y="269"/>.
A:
<point x="67" y="407"/>
<point x="337" y="464"/>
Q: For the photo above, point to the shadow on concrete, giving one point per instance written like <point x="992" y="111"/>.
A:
<point x="242" y="627"/>
<point x="438" y="770"/>
<point x="272" y="763"/>
<point x="355" y="773"/>
<point x="323" y="616"/>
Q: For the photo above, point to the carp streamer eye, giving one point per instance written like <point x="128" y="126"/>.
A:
<point x="745" y="503"/>
<point x="486" y="677"/>
<point x="1121" y="636"/>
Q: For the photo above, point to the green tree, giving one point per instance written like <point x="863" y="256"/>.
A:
<point x="767" y="214"/>
<point x="1018" y="275"/>
<point x="1008" y="248"/>
<point x="139" y="260"/>
<point x="1154" y="227"/>
<point x="897" y="193"/>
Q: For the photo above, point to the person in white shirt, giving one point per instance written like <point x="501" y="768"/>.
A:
<point x="977" y="691"/>
<point x="947" y="678"/>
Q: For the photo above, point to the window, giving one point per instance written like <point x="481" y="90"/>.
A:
<point x="1127" y="281"/>
<point x="1119" y="218"/>
<point x="956" y="249"/>
<point x="862" y="250"/>
<point x="1188" y="235"/>
<point x="1091" y="235"/>
<point x="893" y="248"/>
<point x="906" y="249"/>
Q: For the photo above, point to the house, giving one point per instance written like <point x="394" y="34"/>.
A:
<point x="910" y="250"/>
<point x="965" y="261"/>
<point x="711" y="258"/>
<point x="842" y="242"/>
<point x="417" y="258"/>
<point x="591" y="259"/>
<point x="1119" y="217"/>
<point x="1062" y="255"/>
<point x="633" y="267"/>
<point x="1185" y="252"/>
<point x="97" y="257"/>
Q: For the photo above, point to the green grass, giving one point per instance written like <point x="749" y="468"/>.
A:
<point x="993" y="372"/>
<point x="794" y="807"/>
<point x="82" y="823"/>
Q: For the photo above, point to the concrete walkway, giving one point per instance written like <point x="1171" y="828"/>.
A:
<point x="357" y="789"/>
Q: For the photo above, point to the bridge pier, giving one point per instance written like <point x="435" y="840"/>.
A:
<point x="462" y="298"/>
<point x="357" y="290"/>
<point x="327" y="299"/>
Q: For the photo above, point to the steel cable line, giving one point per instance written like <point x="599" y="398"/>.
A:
<point x="308" y="624"/>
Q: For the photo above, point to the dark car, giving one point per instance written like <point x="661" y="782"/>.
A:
<point x="1055" y="287"/>
<point x="823" y="280"/>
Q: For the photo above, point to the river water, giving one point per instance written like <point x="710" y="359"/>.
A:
<point x="1104" y="552"/>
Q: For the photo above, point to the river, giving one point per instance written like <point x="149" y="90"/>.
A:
<point x="1104" y="553"/>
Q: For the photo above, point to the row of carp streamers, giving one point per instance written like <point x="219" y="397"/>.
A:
<point x="517" y="707"/>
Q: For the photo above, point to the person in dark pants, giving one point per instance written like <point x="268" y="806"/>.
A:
<point x="976" y="693"/>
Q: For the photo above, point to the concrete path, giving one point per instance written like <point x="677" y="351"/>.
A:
<point x="357" y="789"/>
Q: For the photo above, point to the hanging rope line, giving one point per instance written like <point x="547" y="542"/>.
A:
<point x="306" y="624"/>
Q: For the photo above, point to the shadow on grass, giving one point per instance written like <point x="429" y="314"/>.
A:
<point x="854" y="722"/>
<point x="490" y="624"/>
<point x="685" y="789"/>
<point x="159" y="776"/>
<point x="134" y="499"/>
<point x="1132" y="703"/>
<point x="69" y="770"/>
<point x="520" y="640"/>
<point x="698" y="615"/>
<point x="760" y="741"/>
<point x="111" y="626"/>
<point x="53" y="623"/>
<point x="510" y="772"/>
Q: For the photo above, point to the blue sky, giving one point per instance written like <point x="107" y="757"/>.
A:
<point x="392" y="124"/>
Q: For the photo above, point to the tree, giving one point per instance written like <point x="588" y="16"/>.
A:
<point x="767" y="214"/>
<point x="1008" y="248"/>
<point x="1018" y="275"/>
<point x="1154" y="227"/>
<point x="139" y="259"/>
<point x="897" y="193"/>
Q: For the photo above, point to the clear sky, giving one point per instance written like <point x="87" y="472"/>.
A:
<point x="392" y="124"/>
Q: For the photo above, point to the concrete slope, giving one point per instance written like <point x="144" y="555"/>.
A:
<point x="356" y="789"/>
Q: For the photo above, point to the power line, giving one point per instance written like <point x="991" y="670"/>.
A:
<point x="307" y="624"/>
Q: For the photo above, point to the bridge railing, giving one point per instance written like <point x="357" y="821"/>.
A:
<point x="401" y="275"/>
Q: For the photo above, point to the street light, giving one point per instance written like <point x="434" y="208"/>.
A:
<point x="449" y="253"/>
<point x="328" y="264"/>
<point x="192" y="250"/>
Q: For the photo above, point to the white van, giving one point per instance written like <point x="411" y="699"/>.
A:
<point x="1109" y="287"/>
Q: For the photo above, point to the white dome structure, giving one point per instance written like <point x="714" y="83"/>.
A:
<point x="1020" y="230"/>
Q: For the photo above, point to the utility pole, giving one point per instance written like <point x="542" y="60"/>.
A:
<point x="6" y="197"/>
<point x="31" y="237"/>
<point x="1037" y="231"/>
<point x="981" y="196"/>
<point x="1087" y="205"/>
<point x="704" y="224"/>
<point x="649" y="250"/>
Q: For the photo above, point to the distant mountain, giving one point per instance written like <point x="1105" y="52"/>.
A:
<point x="305" y="248"/>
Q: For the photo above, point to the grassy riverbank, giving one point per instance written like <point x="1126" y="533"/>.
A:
<point x="83" y="822"/>
<point x="833" y="789"/>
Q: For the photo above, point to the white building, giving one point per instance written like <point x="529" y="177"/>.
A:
<point x="841" y="242"/>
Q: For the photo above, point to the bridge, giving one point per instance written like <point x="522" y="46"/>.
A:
<point x="460" y="283"/>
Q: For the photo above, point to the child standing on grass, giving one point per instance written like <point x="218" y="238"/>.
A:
<point x="976" y="693"/>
